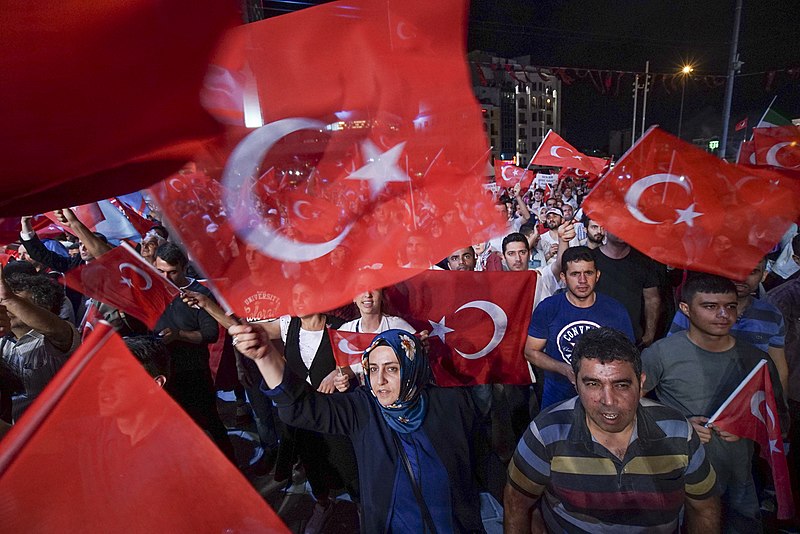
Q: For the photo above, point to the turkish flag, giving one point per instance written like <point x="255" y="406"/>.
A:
<point x="506" y="174"/>
<point x="378" y="158"/>
<point x="105" y="449"/>
<point x="778" y="146"/>
<point x="741" y="125"/>
<point x="478" y="323"/>
<point x="684" y="207"/>
<point x="747" y="153"/>
<point x="751" y="412"/>
<point x="348" y="347"/>
<point x="109" y="218"/>
<point x="139" y="223"/>
<point x="42" y="225"/>
<point x="122" y="279"/>
<point x="101" y="98"/>
<point x="91" y="317"/>
<point x="556" y="152"/>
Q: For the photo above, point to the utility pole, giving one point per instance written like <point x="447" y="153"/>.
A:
<point x="644" y="99"/>
<point x="733" y="66"/>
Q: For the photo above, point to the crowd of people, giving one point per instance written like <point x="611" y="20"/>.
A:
<point x="629" y="358"/>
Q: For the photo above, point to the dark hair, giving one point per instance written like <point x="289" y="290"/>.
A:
<point x="705" y="283"/>
<point x="572" y="254"/>
<point x="796" y="245"/>
<point x="19" y="267"/>
<point x="539" y="189"/>
<point x="45" y="292"/>
<point x="151" y="352"/>
<point x="160" y="230"/>
<point x="585" y="220"/>
<point x="515" y="237"/>
<point x="172" y="254"/>
<point x="607" y="345"/>
<point x="527" y="228"/>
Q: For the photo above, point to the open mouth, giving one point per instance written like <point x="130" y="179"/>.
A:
<point x="610" y="416"/>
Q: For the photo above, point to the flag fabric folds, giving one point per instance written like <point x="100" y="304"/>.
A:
<point x="556" y="152"/>
<point x="478" y="323"/>
<point x="104" y="449"/>
<point x="101" y="98"/>
<point x="778" y="146"/>
<point x="751" y="412"/>
<point x="507" y="174"/>
<point x="383" y="152"/>
<point x="122" y="279"/>
<point x="348" y="347"/>
<point x="684" y="207"/>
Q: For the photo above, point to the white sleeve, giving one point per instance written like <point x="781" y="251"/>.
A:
<point x="402" y="324"/>
<point x="284" y="322"/>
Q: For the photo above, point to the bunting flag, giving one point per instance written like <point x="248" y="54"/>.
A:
<point x="383" y="153"/>
<point x="83" y="118"/>
<point x="348" y="347"/>
<point x="684" y="207"/>
<point x="507" y="174"/>
<point x="122" y="279"/>
<point x="778" y="146"/>
<point x="751" y="412"/>
<point x="478" y="323"/>
<point x="556" y="152"/>
<point x="104" y="449"/>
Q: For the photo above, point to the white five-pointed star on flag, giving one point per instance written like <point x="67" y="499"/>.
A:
<point x="381" y="168"/>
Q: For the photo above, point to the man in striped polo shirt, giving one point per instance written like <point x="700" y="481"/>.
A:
<point x="607" y="460"/>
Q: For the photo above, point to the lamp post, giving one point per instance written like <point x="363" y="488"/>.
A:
<point x="686" y="70"/>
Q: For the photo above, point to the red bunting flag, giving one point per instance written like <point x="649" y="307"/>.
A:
<point x="751" y="412"/>
<point x="778" y="146"/>
<point x="348" y="347"/>
<point x="741" y="125"/>
<point x="556" y="152"/>
<point x="83" y="118"/>
<point x="382" y="154"/>
<point x="684" y="207"/>
<point x="122" y="279"/>
<point x="104" y="449"/>
<point x="506" y="174"/>
<point x="478" y="323"/>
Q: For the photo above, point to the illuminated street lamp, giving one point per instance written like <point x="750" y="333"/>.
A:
<point x="686" y="70"/>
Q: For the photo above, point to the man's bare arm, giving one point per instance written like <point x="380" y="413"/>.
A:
<point x="703" y="516"/>
<point x="94" y="245"/>
<point x="534" y="354"/>
<point x="519" y="515"/>
<point x="652" y="309"/>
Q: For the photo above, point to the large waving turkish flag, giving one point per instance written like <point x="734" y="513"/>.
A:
<point x="101" y="98"/>
<point x="478" y="323"/>
<point x="778" y="146"/>
<point x="364" y="151"/>
<point x="684" y="207"/>
<point x="105" y="449"/>
<point x="507" y="174"/>
<point x="556" y="152"/>
<point x="751" y="412"/>
<point x="122" y="279"/>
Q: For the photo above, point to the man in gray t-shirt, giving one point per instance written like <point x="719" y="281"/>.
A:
<point x="695" y="371"/>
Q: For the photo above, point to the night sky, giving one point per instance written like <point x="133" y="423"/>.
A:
<point x="623" y="34"/>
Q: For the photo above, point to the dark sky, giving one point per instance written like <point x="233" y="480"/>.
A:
<point x="623" y="34"/>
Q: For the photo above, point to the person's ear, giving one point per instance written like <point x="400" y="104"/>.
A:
<point x="684" y="308"/>
<point x="160" y="380"/>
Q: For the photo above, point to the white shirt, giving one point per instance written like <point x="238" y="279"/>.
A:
<point x="310" y="340"/>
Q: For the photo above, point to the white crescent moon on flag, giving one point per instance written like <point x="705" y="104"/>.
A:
<point x="242" y="165"/>
<point x="499" y="320"/>
<point x="347" y="348"/>
<point x="503" y="172"/>
<point x="148" y="282"/>
<point x="554" y="151"/>
<point x="755" y="408"/>
<point x="772" y="155"/>
<point x="180" y="189"/>
<point x="298" y="206"/>
<point x="402" y="34"/>
<point x="635" y="192"/>
<point x="743" y="181"/>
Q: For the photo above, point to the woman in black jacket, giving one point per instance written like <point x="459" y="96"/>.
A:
<point x="412" y="440"/>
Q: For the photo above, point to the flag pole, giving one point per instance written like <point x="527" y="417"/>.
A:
<point x="736" y="391"/>
<point x="764" y="116"/>
<point x="538" y="149"/>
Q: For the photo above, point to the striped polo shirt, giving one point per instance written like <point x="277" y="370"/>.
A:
<point x="585" y="488"/>
<point x="761" y="325"/>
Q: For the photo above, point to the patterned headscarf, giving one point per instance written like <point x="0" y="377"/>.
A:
<point x="408" y="412"/>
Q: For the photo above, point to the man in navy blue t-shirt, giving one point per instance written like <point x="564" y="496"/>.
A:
<point x="558" y="322"/>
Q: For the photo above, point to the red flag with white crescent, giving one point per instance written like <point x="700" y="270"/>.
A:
<point x="104" y="449"/>
<point x="684" y="207"/>
<point x="778" y="146"/>
<point x="348" y="347"/>
<point x="507" y="174"/>
<point x="478" y="323"/>
<point x="122" y="279"/>
<point x="382" y="154"/>
<point x="556" y="152"/>
<point x="751" y="412"/>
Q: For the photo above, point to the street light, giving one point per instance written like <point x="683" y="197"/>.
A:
<point x="686" y="70"/>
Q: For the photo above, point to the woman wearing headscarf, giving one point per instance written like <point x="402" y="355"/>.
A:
<point x="410" y="437"/>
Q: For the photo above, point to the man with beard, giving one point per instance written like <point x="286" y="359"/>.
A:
<point x="462" y="259"/>
<point x="548" y="244"/>
<point x="595" y="233"/>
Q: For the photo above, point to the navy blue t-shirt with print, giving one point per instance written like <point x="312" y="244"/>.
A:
<point x="561" y="323"/>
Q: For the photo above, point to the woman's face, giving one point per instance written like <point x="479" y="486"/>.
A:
<point x="384" y="375"/>
<point x="369" y="302"/>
